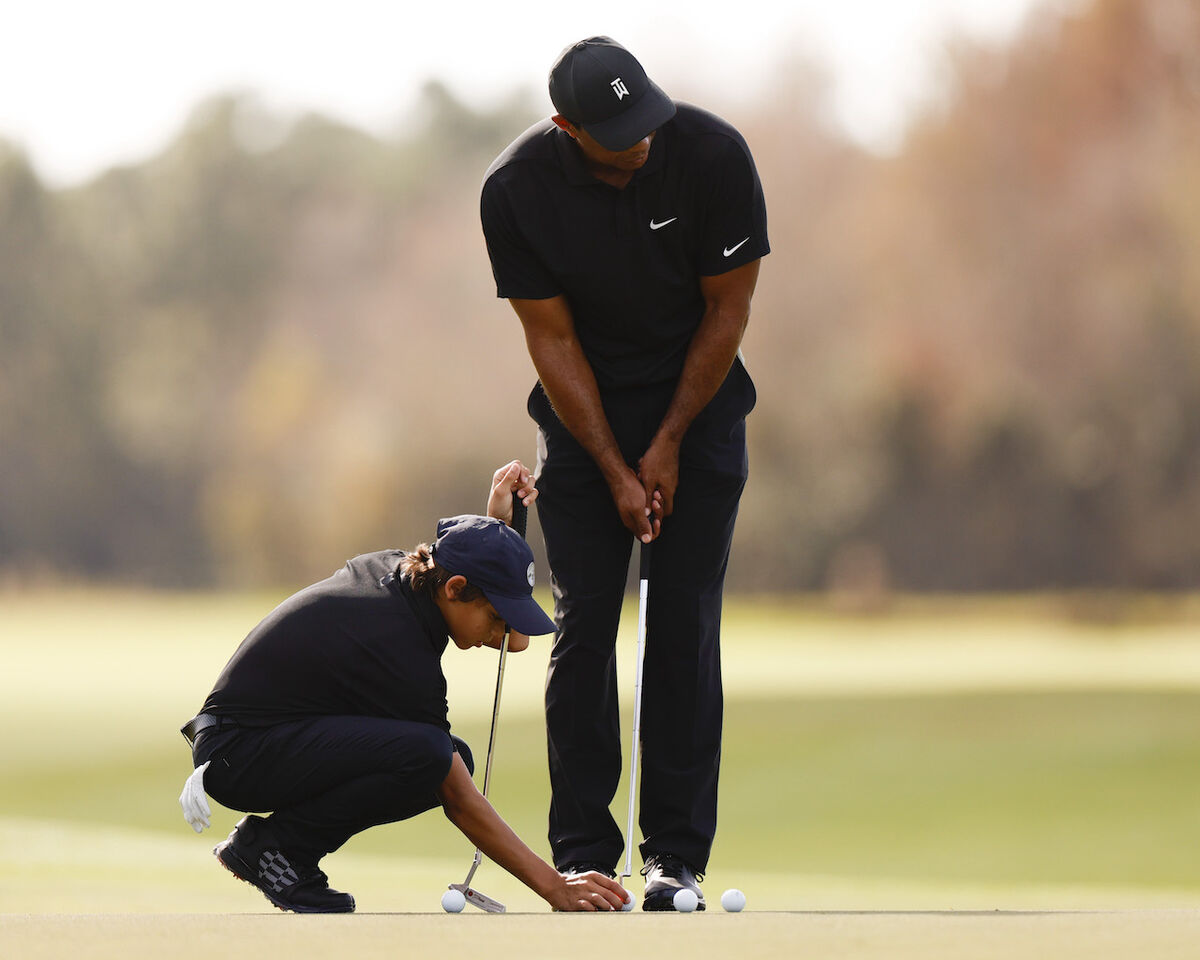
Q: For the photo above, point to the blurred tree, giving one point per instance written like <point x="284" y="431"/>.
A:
<point x="1049" y="270"/>
<point x="277" y="343"/>
<point x="54" y="440"/>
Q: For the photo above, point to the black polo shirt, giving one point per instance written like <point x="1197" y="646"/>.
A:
<point x="627" y="260"/>
<point x="359" y="643"/>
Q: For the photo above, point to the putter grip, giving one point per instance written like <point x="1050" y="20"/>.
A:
<point x="644" y="562"/>
<point x="520" y="517"/>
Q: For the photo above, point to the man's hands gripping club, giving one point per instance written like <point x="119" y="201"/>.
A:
<point x="639" y="503"/>
<point x="643" y="498"/>
<point x="570" y="384"/>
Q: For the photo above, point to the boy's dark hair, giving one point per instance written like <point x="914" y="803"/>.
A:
<point x="426" y="576"/>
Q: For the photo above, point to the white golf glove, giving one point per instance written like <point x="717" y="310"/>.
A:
<point x="194" y="802"/>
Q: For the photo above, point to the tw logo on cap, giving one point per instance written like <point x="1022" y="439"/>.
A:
<point x="619" y="88"/>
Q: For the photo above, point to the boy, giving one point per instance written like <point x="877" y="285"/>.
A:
<point x="332" y="712"/>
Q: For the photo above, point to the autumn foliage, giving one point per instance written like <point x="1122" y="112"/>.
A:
<point x="978" y="359"/>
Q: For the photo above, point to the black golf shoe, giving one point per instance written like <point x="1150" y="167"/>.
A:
<point x="251" y="854"/>
<point x="665" y="876"/>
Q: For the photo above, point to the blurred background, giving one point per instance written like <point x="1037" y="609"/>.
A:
<point x="275" y="340"/>
<point x="248" y="329"/>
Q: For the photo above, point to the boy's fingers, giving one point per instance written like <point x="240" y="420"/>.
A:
<point x="597" y="901"/>
<point x="611" y="891"/>
<point x="618" y="891"/>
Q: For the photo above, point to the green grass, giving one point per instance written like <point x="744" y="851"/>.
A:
<point x="1070" y="788"/>
<point x="948" y="787"/>
<point x="1046" y="788"/>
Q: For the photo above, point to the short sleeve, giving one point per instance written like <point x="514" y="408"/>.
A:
<point x="735" y="223"/>
<point x="517" y="269"/>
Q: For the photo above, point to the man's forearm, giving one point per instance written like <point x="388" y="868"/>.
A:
<point x="708" y="361"/>
<point x="713" y="348"/>
<point x="570" y="384"/>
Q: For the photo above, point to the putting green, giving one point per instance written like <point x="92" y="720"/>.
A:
<point x="854" y="936"/>
<point x="978" y="758"/>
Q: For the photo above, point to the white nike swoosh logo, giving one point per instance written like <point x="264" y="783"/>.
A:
<point x="730" y="251"/>
<point x="659" y="226"/>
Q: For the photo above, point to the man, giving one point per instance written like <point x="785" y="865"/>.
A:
<point x="626" y="233"/>
<point x="332" y="712"/>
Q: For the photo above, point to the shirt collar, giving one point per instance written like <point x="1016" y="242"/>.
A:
<point x="577" y="172"/>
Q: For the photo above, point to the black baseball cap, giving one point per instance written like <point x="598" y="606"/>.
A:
<point x="496" y="559"/>
<point x="598" y="85"/>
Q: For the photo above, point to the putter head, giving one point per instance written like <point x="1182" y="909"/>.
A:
<point x="477" y="899"/>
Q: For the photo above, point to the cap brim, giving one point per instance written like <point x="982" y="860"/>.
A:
<point x="522" y="614"/>
<point x="625" y="129"/>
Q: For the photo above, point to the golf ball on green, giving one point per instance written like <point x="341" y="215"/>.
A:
<point x="453" y="901"/>
<point x="630" y="903"/>
<point x="686" y="900"/>
<point x="733" y="900"/>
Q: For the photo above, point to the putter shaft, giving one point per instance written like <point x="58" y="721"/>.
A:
<point x="643" y="591"/>
<point x="473" y="896"/>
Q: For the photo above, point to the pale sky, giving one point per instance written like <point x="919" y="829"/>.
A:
<point x="86" y="84"/>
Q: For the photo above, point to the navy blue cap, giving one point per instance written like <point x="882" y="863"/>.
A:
<point x="495" y="558"/>
<point x="599" y="85"/>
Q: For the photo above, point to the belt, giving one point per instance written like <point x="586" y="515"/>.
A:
<point x="193" y="727"/>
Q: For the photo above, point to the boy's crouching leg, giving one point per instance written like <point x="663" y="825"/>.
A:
<point x="252" y="853"/>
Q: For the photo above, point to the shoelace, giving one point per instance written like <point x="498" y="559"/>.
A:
<point x="670" y="865"/>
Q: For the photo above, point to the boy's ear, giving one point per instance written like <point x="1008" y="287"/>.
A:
<point x="565" y="125"/>
<point x="454" y="586"/>
<point x="517" y="641"/>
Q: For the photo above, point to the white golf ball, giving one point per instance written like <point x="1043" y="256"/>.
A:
<point x="733" y="900"/>
<point x="630" y="903"/>
<point x="453" y="901"/>
<point x="686" y="900"/>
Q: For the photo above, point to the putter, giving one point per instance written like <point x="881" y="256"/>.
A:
<point x="473" y="896"/>
<point x="643" y="590"/>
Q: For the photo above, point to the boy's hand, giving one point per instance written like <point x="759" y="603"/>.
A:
<point x="511" y="479"/>
<point x="194" y="802"/>
<point x="466" y="808"/>
<point x="589" y="891"/>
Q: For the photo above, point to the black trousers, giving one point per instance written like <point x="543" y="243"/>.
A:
<point x="589" y="549"/>
<point x="328" y="778"/>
